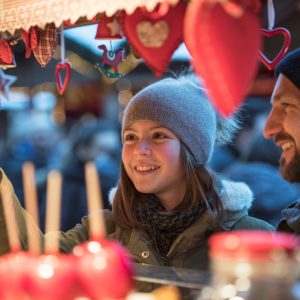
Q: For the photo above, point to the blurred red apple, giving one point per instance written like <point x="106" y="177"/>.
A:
<point x="51" y="277"/>
<point x="104" y="269"/>
<point x="12" y="274"/>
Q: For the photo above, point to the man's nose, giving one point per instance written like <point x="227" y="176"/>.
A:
<point x="273" y="126"/>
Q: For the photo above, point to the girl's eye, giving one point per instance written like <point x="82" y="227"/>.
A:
<point x="159" y="135"/>
<point x="129" y="137"/>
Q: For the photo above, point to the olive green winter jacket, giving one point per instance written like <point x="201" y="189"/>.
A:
<point x="189" y="250"/>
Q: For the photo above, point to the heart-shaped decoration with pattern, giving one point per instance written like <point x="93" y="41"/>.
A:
<point x="46" y="44"/>
<point x="154" y="37"/>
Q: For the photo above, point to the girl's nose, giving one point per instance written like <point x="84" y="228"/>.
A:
<point x="273" y="125"/>
<point x="143" y="147"/>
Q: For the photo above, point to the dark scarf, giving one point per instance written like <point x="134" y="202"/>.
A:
<point x="163" y="227"/>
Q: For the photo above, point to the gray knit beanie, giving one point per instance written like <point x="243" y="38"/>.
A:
<point x="182" y="106"/>
<point x="289" y="66"/>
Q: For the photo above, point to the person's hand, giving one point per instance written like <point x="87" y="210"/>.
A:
<point x="291" y="221"/>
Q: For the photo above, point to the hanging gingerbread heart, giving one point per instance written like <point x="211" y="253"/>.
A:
<point x="154" y="36"/>
<point x="46" y="44"/>
<point x="61" y="83"/>
<point x="271" y="64"/>
<point x="223" y="41"/>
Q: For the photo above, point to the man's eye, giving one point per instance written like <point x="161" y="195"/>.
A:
<point x="285" y="106"/>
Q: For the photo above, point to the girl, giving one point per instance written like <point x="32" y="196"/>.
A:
<point x="167" y="203"/>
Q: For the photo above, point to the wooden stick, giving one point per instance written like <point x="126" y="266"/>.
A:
<point x="95" y="202"/>
<point x="10" y="218"/>
<point x="53" y="205"/>
<point x="31" y="205"/>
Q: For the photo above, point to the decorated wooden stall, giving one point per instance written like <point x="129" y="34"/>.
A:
<point x="224" y="39"/>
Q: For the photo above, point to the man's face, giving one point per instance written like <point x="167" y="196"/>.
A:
<point x="283" y="125"/>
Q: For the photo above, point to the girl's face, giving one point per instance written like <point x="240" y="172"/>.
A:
<point x="152" y="159"/>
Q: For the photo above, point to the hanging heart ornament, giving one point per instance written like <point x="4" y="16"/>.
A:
<point x="223" y="39"/>
<point x="43" y="43"/>
<point x="154" y="36"/>
<point x="271" y="64"/>
<point x="61" y="83"/>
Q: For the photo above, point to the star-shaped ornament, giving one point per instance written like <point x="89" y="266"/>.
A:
<point x="5" y="82"/>
<point x="114" y="27"/>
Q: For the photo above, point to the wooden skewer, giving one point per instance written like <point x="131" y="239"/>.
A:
<point x="53" y="205"/>
<point x="10" y="218"/>
<point x="30" y="196"/>
<point x="95" y="202"/>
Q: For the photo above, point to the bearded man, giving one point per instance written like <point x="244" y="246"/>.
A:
<point x="283" y="126"/>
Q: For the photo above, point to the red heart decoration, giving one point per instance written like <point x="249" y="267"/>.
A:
<point x="6" y="54"/>
<point x="60" y="84"/>
<point x="34" y="37"/>
<point x="271" y="64"/>
<point x="26" y="40"/>
<point x="30" y="40"/>
<point x="155" y="35"/>
<point x="223" y="43"/>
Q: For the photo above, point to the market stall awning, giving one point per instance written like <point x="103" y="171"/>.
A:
<point x="17" y="14"/>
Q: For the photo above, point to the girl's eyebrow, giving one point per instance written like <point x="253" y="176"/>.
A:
<point x="129" y="129"/>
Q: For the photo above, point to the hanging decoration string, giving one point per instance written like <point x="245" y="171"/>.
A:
<point x="62" y="44"/>
<point x="271" y="15"/>
<point x="110" y="45"/>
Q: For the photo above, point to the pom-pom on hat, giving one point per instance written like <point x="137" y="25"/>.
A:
<point x="289" y="66"/>
<point x="182" y="106"/>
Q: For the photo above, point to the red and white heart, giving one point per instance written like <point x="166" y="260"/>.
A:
<point x="154" y="36"/>
<point x="271" y="64"/>
<point x="61" y="83"/>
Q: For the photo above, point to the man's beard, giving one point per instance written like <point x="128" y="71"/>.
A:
<point x="291" y="171"/>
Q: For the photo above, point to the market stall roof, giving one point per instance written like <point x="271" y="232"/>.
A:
<point x="17" y="14"/>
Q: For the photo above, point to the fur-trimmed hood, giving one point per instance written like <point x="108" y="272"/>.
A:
<point x="236" y="196"/>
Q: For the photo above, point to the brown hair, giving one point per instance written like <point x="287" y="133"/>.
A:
<point x="201" y="186"/>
